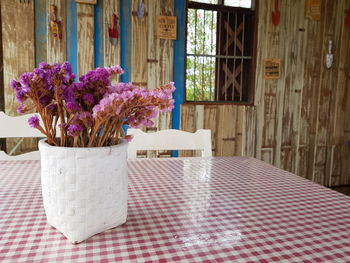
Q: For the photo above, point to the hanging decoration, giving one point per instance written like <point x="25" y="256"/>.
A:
<point x="347" y="19"/>
<point x="141" y="9"/>
<point x="113" y="31"/>
<point x="55" y="24"/>
<point x="276" y="15"/>
<point x="329" y="55"/>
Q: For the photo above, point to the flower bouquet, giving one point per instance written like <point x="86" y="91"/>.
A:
<point x="83" y="158"/>
<point x="91" y="112"/>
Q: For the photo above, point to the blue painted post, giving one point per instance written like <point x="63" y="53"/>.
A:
<point x="125" y="39"/>
<point x="40" y="31"/>
<point x="179" y="63"/>
<point x="98" y="33"/>
<point x="72" y="35"/>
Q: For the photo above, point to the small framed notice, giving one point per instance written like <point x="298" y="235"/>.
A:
<point x="313" y="9"/>
<point x="166" y="27"/>
<point x="89" y="2"/>
<point x="272" y="68"/>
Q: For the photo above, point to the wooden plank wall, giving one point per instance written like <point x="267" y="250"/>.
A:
<point x="152" y="58"/>
<point x="299" y="122"/>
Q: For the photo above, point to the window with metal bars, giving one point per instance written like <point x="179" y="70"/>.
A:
<point x="220" y="50"/>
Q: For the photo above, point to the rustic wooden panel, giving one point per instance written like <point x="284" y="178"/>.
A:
<point x="226" y="130"/>
<point x="188" y="123"/>
<point x="293" y="68"/>
<point x="18" y="55"/>
<point x="111" y="47"/>
<point x="139" y="46"/>
<point x="264" y="14"/>
<point x="85" y="38"/>
<point x="239" y="145"/>
<point x="310" y="96"/>
<point x="268" y="132"/>
<point x="159" y="54"/>
<point x="18" y="45"/>
<point x="210" y="117"/>
<point x="250" y="131"/>
<point x="56" y="48"/>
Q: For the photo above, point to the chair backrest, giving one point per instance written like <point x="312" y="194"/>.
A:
<point x="13" y="127"/>
<point x="169" y="140"/>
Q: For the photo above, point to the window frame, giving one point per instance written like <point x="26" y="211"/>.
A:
<point x="221" y="8"/>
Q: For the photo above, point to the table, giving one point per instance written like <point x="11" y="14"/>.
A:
<point x="223" y="209"/>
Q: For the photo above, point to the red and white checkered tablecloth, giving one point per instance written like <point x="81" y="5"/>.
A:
<point x="229" y="209"/>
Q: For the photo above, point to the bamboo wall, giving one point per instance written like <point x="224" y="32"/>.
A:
<point x="300" y="122"/>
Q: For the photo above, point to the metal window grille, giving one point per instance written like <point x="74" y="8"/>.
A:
<point x="220" y="41"/>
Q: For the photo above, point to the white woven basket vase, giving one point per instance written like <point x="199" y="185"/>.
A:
<point x="85" y="190"/>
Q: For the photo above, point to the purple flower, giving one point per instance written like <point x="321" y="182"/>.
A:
<point x="34" y="121"/>
<point x="348" y="143"/>
<point x="74" y="129"/>
<point x="45" y="100"/>
<point x="21" y="108"/>
<point x="88" y="99"/>
<point x="68" y="94"/>
<point x="43" y="65"/>
<point x="73" y="107"/>
<point x="66" y="66"/>
<point x="15" y="84"/>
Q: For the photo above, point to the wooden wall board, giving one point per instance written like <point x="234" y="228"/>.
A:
<point x="139" y="46"/>
<point x="188" y="123"/>
<point x="56" y="49"/>
<point x="86" y="61"/>
<point x="337" y="159"/>
<point x="111" y="50"/>
<point x="293" y="68"/>
<point x="259" y="100"/>
<point x="40" y="31"/>
<point x="210" y="117"/>
<point x="18" y="55"/>
<point x="226" y="130"/>
<point x="18" y="45"/>
<point x="226" y="123"/>
<point x="250" y="131"/>
<point x="310" y="94"/>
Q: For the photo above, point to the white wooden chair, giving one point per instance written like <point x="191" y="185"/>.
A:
<point x="13" y="127"/>
<point x="169" y="140"/>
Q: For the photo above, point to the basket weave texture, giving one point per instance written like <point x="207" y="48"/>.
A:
<point x="85" y="190"/>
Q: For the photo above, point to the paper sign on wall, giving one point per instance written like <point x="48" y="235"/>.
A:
<point x="272" y="68"/>
<point x="166" y="27"/>
<point x="313" y="9"/>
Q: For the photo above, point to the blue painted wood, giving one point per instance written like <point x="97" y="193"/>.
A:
<point x="179" y="64"/>
<point x="40" y="31"/>
<point x="98" y="33"/>
<point x="72" y="34"/>
<point x="179" y="60"/>
<point x="125" y="38"/>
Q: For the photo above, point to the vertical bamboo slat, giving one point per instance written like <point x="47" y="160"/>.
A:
<point x="111" y="47"/>
<point x="56" y="48"/>
<point x="85" y="38"/>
